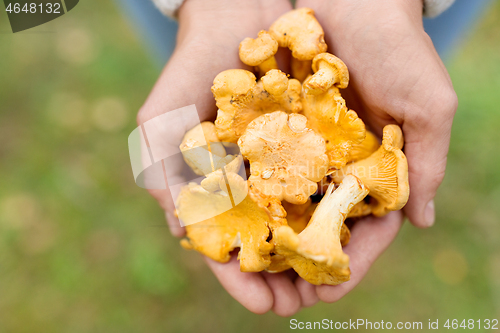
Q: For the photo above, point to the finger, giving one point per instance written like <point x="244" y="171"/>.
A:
<point x="427" y="138"/>
<point x="286" y="297"/>
<point x="307" y="292"/>
<point x="167" y="196"/>
<point x="164" y="198"/>
<point x="369" y="238"/>
<point x="249" y="289"/>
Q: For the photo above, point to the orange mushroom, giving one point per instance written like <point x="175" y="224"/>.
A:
<point x="300" y="69"/>
<point x="341" y="128"/>
<point x="298" y="216"/>
<point x="316" y="253"/>
<point x="329" y="71"/>
<point x="364" y="149"/>
<point x="259" y="52"/>
<point x="241" y="99"/>
<point x="385" y="173"/>
<point x="286" y="158"/>
<point x="212" y="180"/>
<point x="300" y="32"/>
<point x="226" y="228"/>
<point x="200" y="146"/>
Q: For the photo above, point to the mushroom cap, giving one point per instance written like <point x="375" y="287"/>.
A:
<point x="385" y="173"/>
<point x="360" y="209"/>
<point x="278" y="264"/>
<point x="275" y="82"/>
<point x="341" y="128"/>
<point x="364" y="149"/>
<point x="241" y="99"/>
<point x="286" y="158"/>
<point x="393" y="137"/>
<point x="230" y="164"/>
<point x="270" y="204"/>
<point x="286" y="92"/>
<point x="334" y="72"/>
<point x="232" y="83"/>
<point x="253" y="52"/>
<point x="244" y="225"/>
<point x="316" y="253"/>
<point x="345" y="235"/>
<point x="300" y="32"/>
<point x="200" y="146"/>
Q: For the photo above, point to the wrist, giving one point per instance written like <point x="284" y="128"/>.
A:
<point x="337" y="15"/>
<point x="214" y="17"/>
<point x="233" y="19"/>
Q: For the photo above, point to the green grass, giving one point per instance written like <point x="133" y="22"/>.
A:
<point x="83" y="249"/>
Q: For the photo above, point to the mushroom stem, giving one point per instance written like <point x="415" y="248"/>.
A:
<point x="316" y="253"/>
<point x="301" y="69"/>
<point x="320" y="240"/>
<point x="328" y="71"/>
<point x="267" y="65"/>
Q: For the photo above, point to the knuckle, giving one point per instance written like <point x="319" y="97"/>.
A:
<point x="449" y="101"/>
<point x="439" y="175"/>
<point x="432" y="174"/>
<point x="439" y="110"/>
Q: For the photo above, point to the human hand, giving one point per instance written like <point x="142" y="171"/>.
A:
<point x="208" y="39"/>
<point x="396" y="77"/>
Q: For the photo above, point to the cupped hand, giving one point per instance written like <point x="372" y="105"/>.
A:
<point x="396" y="76"/>
<point x="207" y="44"/>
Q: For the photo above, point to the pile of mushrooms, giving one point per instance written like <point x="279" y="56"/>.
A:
<point x="292" y="133"/>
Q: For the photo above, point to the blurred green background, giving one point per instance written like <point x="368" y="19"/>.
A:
<point x="83" y="249"/>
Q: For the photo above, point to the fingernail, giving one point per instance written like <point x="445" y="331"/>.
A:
<point x="430" y="214"/>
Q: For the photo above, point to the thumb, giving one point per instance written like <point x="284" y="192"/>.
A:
<point x="427" y="138"/>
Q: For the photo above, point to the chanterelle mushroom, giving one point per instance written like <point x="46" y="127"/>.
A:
<point x="364" y="149"/>
<point x="341" y="128"/>
<point x="328" y="71"/>
<point x="271" y="205"/>
<point x="241" y="99"/>
<point x="300" y="32"/>
<point x="300" y="69"/>
<point x="212" y="181"/>
<point x="385" y="173"/>
<point x="360" y="209"/>
<point x="316" y="253"/>
<point x="286" y="158"/>
<point x="244" y="226"/>
<point x="259" y="52"/>
<point x="298" y="216"/>
<point x="197" y="145"/>
<point x="277" y="215"/>
<point x="284" y="91"/>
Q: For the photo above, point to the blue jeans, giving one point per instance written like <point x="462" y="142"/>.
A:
<point x="159" y="32"/>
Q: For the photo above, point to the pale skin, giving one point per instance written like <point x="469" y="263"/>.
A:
<point x="396" y="77"/>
